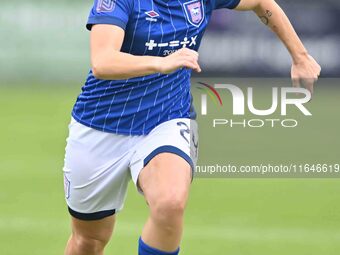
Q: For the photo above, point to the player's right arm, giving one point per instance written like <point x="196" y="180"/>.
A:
<point x="109" y="63"/>
<point x="305" y="70"/>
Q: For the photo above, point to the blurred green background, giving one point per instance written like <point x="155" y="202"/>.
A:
<point x="43" y="63"/>
<point x="225" y="216"/>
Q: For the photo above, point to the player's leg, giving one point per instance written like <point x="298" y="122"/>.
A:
<point x="165" y="182"/>
<point x="89" y="237"/>
<point x="96" y="176"/>
<point x="162" y="169"/>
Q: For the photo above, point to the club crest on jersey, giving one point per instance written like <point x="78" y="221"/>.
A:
<point x="194" y="11"/>
<point x="106" y="5"/>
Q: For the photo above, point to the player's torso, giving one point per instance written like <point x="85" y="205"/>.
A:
<point x="160" y="27"/>
<point x="135" y="106"/>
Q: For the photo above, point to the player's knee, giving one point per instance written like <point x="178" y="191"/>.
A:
<point x="89" y="245"/>
<point x="169" y="208"/>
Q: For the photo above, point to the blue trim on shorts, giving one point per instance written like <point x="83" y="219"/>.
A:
<point x="170" y="149"/>
<point x="91" y="216"/>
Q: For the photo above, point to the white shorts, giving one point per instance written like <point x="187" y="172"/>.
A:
<point x="99" y="165"/>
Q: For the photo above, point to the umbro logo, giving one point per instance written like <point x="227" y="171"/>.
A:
<point x="151" y="16"/>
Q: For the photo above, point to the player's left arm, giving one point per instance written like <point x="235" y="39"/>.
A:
<point x="304" y="67"/>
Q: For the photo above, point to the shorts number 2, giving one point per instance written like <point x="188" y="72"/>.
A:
<point x="184" y="130"/>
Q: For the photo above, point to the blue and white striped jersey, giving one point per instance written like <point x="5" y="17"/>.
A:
<point x="156" y="28"/>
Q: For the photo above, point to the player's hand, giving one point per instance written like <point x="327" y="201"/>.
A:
<point x="305" y="72"/>
<point x="184" y="57"/>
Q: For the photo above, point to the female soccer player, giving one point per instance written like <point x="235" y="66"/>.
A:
<point x="134" y="118"/>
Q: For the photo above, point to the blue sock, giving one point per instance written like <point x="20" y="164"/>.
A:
<point x="145" y="249"/>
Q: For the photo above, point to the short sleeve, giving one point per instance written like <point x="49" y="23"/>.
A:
<point x="112" y="12"/>
<point x="230" y="4"/>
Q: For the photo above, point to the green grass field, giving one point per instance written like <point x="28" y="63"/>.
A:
<point x="224" y="216"/>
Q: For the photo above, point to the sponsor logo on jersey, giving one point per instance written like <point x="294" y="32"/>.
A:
<point x="152" y="15"/>
<point x="106" y="5"/>
<point x="186" y="42"/>
<point x="194" y="11"/>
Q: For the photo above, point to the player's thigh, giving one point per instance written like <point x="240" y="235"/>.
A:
<point x="93" y="231"/>
<point x="166" y="178"/>
<point x="96" y="172"/>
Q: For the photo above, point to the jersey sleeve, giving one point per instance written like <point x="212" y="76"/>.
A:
<point x="230" y="4"/>
<point x="111" y="12"/>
